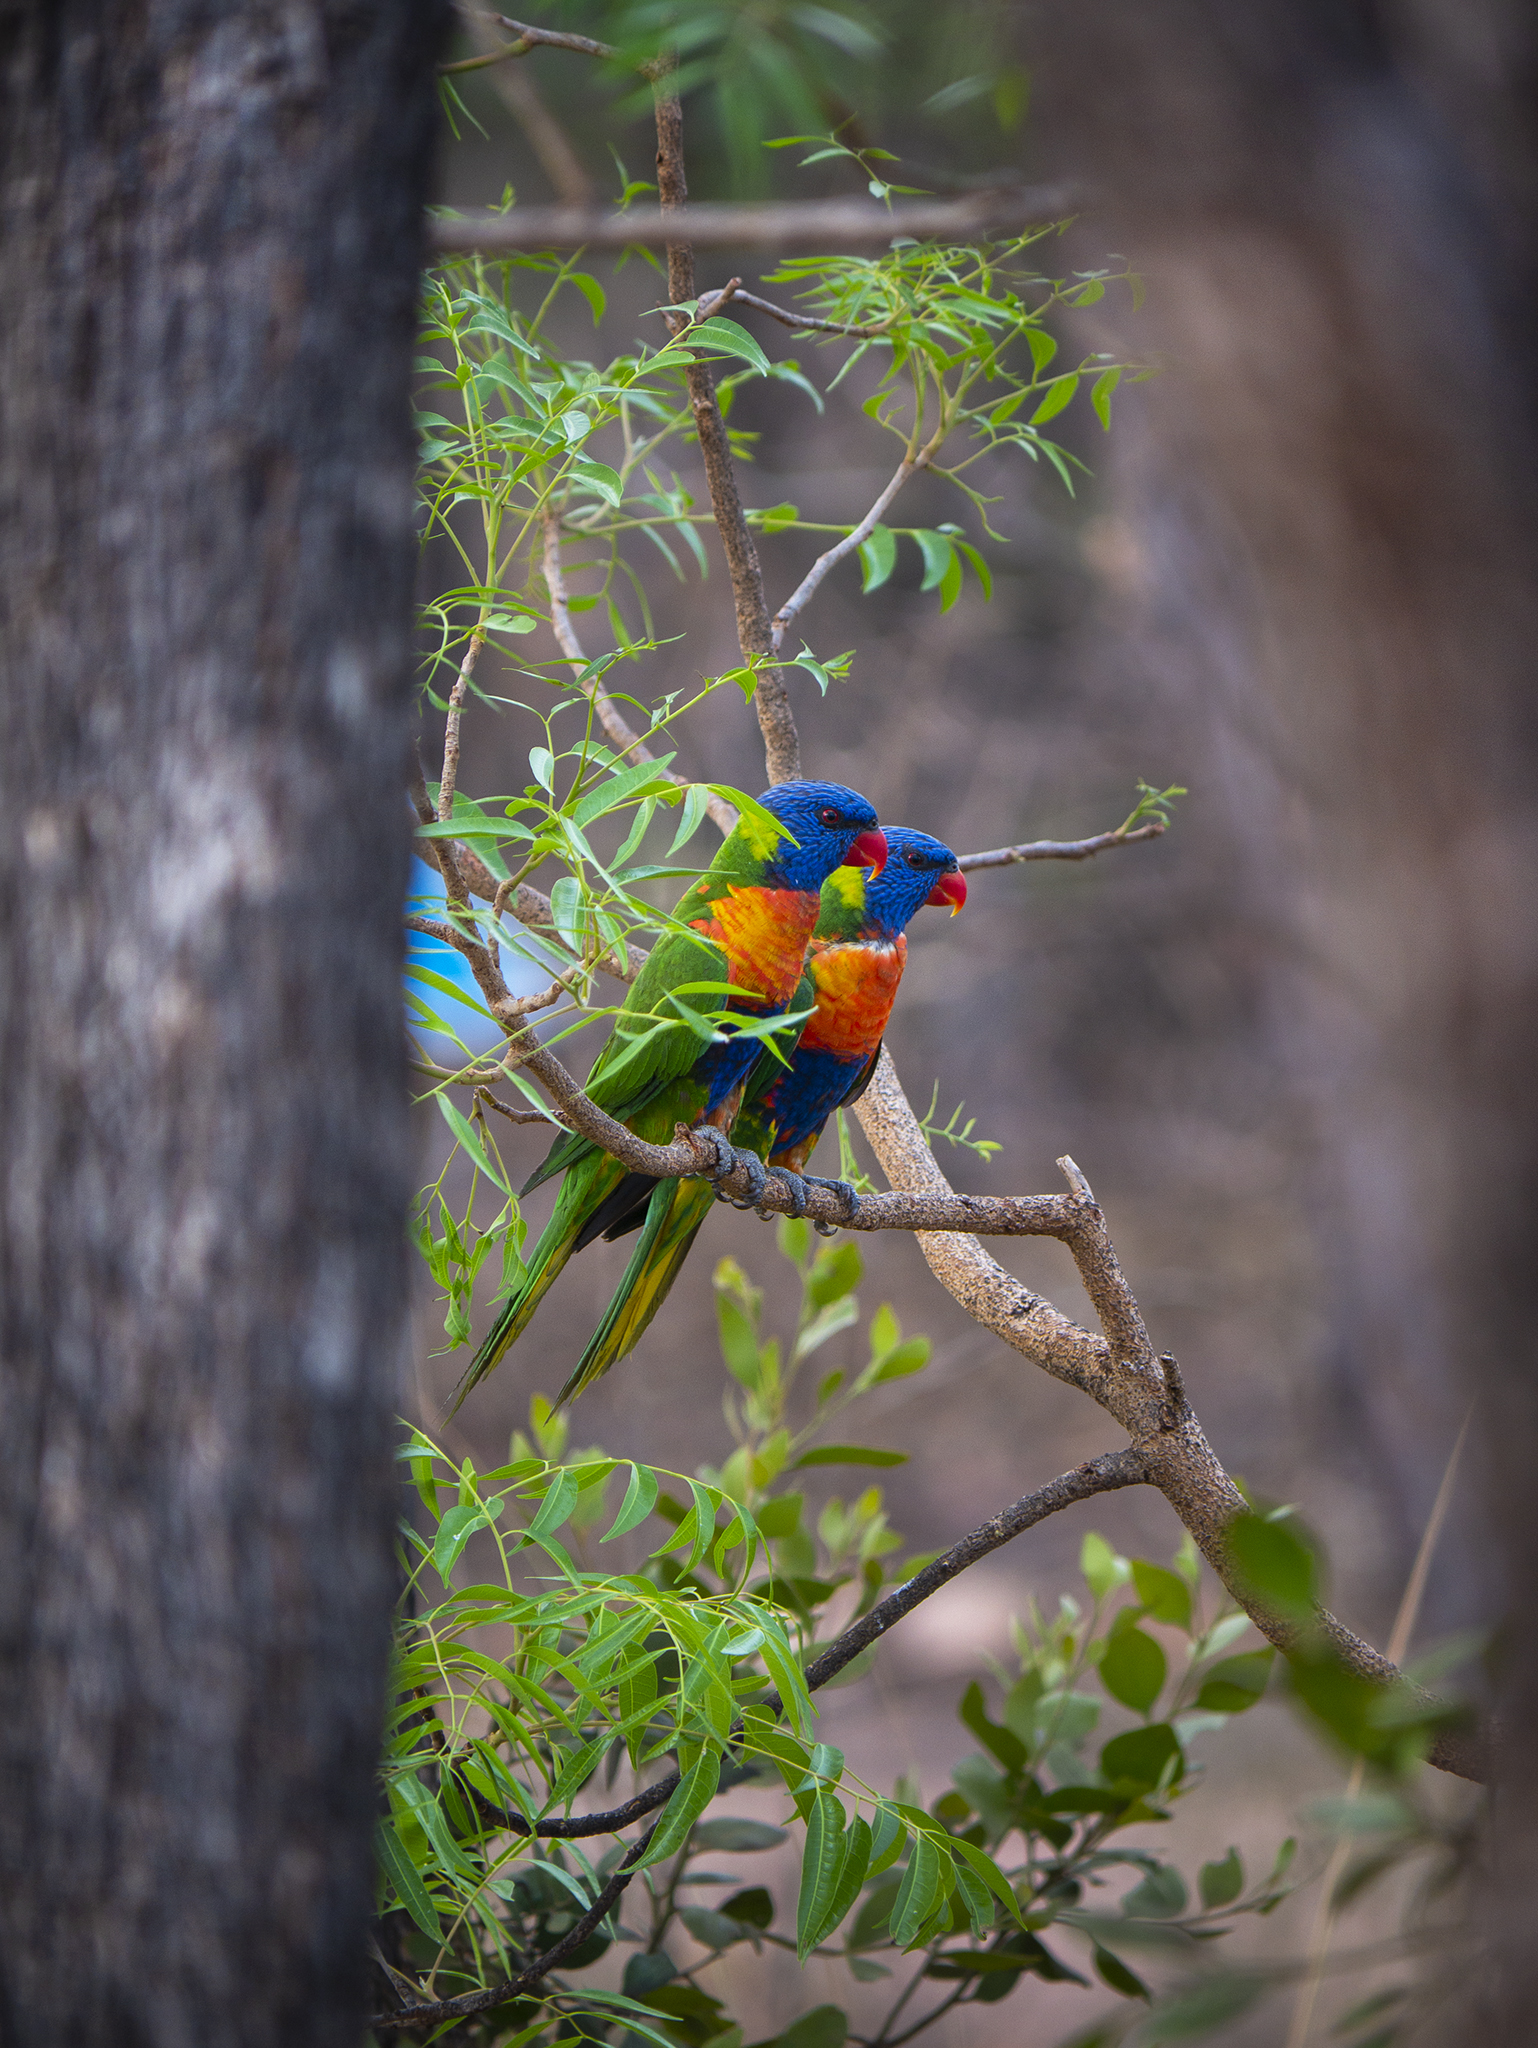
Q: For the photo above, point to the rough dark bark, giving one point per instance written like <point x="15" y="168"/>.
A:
<point x="211" y="230"/>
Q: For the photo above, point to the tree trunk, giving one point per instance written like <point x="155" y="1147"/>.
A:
<point x="210" y="218"/>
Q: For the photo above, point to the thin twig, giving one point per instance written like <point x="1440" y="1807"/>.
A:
<point x="782" y="751"/>
<point x="1061" y="849"/>
<point x="514" y="1116"/>
<point x="517" y="90"/>
<point x="450" y="775"/>
<point x="712" y="302"/>
<point x="831" y="557"/>
<point x="526" y="38"/>
<point x="826" y="225"/>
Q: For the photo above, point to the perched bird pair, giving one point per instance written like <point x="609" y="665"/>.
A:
<point x="808" y="916"/>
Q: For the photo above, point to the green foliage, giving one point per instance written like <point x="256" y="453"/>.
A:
<point x="528" y="1680"/>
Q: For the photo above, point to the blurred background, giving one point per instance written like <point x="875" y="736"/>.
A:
<point x="1286" y="1042"/>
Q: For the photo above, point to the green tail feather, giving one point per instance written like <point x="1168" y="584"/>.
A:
<point x="673" y="1218"/>
<point x="584" y="1189"/>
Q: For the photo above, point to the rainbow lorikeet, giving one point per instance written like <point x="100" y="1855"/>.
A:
<point x="854" y="966"/>
<point x="750" y="917"/>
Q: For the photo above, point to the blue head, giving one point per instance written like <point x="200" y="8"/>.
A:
<point x="831" y="825"/>
<point x="919" y="870"/>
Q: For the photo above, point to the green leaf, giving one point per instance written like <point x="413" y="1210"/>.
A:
<point x="575" y="1772"/>
<point x="725" y="337"/>
<point x="637" y="1504"/>
<point x="1221" y="1883"/>
<point x="938" y="555"/>
<point x="1139" y="1758"/>
<point x="1236" y="1684"/>
<point x="1117" y="1975"/>
<point x="454" y="1532"/>
<point x="825" y="2026"/>
<point x="1059" y="395"/>
<point x="559" y="1500"/>
<point x="1103" y="1570"/>
<point x="849" y="1454"/>
<point x="1161" y="1895"/>
<point x="983" y="1866"/>
<point x="1198" y="2008"/>
<point x="695" y="800"/>
<point x="618" y="789"/>
<point x="1005" y="1745"/>
<point x="591" y="290"/>
<point x="1132" y="1669"/>
<point x="1043" y="348"/>
<point x="854" y="1861"/>
<point x="712" y="1930"/>
<point x="912" y="1355"/>
<point x="950" y="582"/>
<point x="753" y="1907"/>
<point x="695" y="1791"/>
<point x="878" y="558"/>
<point x="739" y="1343"/>
<point x="920" y="1888"/>
<point x="1166" y="1596"/>
<point x="737" y="1834"/>
<point x="1276" y="1564"/>
<point x="1100" y="395"/>
<point x="834" y="1274"/>
<point x="820" y="1862"/>
<point x="980" y="568"/>
<point x="409" y="1888"/>
<point x="468" y="1137"/>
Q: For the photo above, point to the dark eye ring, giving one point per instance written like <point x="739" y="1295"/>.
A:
<point x="829" y="815"/>
<point x="914" y="860"/>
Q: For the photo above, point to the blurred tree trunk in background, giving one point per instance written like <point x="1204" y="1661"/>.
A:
<point x="211" y="240"/>
<point x="1325" y="526"/>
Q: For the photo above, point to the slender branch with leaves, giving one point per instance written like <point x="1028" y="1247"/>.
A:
<point x="550" y="1692"/>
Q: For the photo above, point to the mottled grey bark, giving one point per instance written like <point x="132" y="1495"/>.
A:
<point x="210" y="238"/>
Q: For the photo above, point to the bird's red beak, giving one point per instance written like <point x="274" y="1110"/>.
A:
<point x="951" y="889"/>
<point x="868" y="851"/>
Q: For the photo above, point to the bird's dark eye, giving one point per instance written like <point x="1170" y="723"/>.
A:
<point x="829" y="815"/>
<point x="914" y="860"/>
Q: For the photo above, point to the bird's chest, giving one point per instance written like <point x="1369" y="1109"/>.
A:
<point x="764" y="934"/>
<point x="856" y="986"/>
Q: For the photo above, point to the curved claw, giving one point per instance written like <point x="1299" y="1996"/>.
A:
<point x="756" y="1171"/>
<point x="726" y="1156"/>
<point x="795" y="1187"/>
<point x="847" y="1194"/>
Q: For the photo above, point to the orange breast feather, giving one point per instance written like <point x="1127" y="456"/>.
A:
<point x="856" y="986"/>
<point x="764" y="934"/>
